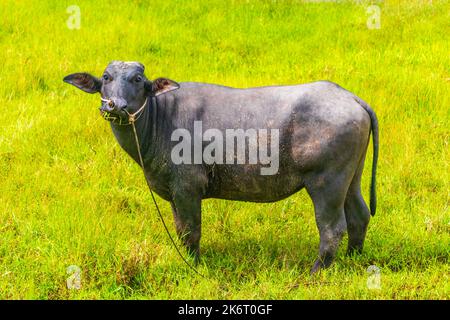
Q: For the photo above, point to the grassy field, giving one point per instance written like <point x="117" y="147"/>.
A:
<point x="70" y="196"/>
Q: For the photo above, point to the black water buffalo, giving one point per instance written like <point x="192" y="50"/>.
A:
<point x="321" y="133"/>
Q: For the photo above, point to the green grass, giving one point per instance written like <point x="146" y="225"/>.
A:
<point x="70" y="196"/>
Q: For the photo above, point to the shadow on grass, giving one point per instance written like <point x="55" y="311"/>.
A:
<point x="248" y="254"/>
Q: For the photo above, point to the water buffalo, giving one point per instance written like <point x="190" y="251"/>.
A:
<point x="322" y="136"/>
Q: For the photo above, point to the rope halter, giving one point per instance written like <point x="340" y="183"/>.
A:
<point x="116" y="119"/>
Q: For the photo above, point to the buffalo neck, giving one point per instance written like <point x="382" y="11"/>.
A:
<point x="145" y="129"/>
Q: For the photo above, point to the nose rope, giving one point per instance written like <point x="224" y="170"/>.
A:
<point x="131" y="116"/>
<point x="131" y="121"/>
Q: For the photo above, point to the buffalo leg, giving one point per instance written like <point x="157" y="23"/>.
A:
<point x="356" y="214"/>
<point x="328" y="197"/>
<point x="187" y="215"/>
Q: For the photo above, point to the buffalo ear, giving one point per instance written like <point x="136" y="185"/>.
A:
<point x="84" y="81"/>
<point x="163" y="85"/>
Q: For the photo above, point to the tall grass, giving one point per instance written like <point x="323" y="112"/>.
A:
<point x="70" y="196"/>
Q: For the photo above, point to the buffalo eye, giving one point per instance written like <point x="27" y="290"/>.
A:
<point x="106" y="77"/>
<point x="138" y="78"/>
